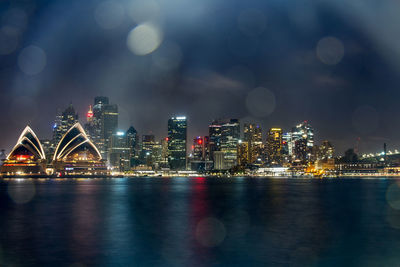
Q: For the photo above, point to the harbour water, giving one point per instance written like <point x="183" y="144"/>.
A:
<point x="200" y="222"/>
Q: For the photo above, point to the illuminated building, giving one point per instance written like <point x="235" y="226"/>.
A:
<point x="253" y="136"/>
<point x="102" y="122"/>
<point x="75" y="154"/>
<point x="148" y="142"/>
<point x="230" y="135"/>
<point x="27" y="157"/>
<point x="214" y="130"/>
<point x="326" y="150"/>
<point x="244" y="155"/>
<point x="298" y="143"/>
<point x="119" y="152"/>
<point x="164" y="152"/>
<point x="132" y="143"/>
<point x="177" y="133"/>
<point x="274" y="146"/>
<point x="200" y="157"/>
<point x="219" y="160"/>
<point x="3" y="156"/>
<point x="64" y="121"/>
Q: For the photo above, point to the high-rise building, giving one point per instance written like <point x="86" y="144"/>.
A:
<point x="244" y="154"/>
<point x="132" y="143"/>
<point x="219" y="160"/>
<point x="253" y="136"/>
<point x="118" y="152"/>
<point x="214" y="130"/>
<point x="325" y="150"/>
<point x="274" y="146"/>
<point x="302" y="141"/>
<point x="200" y="148"/>
<point x="64" y="121"/>
<point x="177" y="135"/>
<point x="230" y="136"/>
<point x="148" y="142"/>
<point x="102" y="123"/>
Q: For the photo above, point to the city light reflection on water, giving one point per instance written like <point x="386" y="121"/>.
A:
<point x="201" y="221"/>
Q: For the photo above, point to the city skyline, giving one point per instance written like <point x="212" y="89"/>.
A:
<point x="83" y="119"/>
<point x="315" y="65"/>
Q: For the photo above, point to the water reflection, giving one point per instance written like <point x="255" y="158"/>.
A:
<point x="201" y="222"/>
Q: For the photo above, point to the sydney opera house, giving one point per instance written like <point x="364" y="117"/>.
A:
<point x="75" y="155"/>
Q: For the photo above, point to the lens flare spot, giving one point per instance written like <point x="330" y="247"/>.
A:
<point x="330" y="50"/>
<point x="32" y="60"/>
<point x="21" y="193"/>
<point x="144" y="39"/>
<point x="210" y="232"/>
<point x="260" y="102"/>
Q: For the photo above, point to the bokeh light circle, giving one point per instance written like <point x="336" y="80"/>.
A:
<point x="260" y="102"/>
<point x="32" y="60"/>
<point x="144" y="39"/>
<point x="21" y="193"/>
<point x="210" y="232"/>
<point x="393" y="196"/>
<point x="109" y="14"/>
<point x="330" y="50"/>
<point x="8" y="40"/>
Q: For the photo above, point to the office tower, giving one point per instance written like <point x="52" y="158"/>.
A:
<point x="302" y="141"/>
<point x="177" y="133"/>
<point x="64" y="121"/>
<point x="164" y="152"/>
<point x="157" y="156"/>
<point x="274" y="146"/>
<point x="148" y="142"/>
<point x="119" y="152"/>
<point x="253" y="136"/>
<point x="132" y="143"/>
<point x="244" y="154"/>
<point x="103" y="124"/>
<point x="200" y="148"/>
<point x="326" y="150"/>
<point x="219" y="160"/>
<point x="230" y="135"/>
<point x="214" y="130"/>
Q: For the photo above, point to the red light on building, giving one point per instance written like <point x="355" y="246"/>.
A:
<point x="200" y="141"/>
<point x="90" y="113"/>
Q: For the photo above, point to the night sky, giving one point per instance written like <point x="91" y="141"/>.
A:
<point x="334" y="63"/>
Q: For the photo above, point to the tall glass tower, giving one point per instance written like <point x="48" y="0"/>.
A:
<point x="177" y="135"/>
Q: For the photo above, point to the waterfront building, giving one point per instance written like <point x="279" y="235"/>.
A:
<point x="27" y="157"/>
<point x="214" y="130"/>
<point x="274" y="146"/>
<point x="299" y="143"/>
<point x="64" y="121"/>
<point x="119" y="152"/>
<point x="132" y="143"/>
<point x="230" y="136"/>
<point x="253" y="136"/>
<point x="146" y="153"/>
<point x="102" y="123"/>
<point x="75" y="154"/>
<point x="177" y="135"/>
<point x="219" y="160"/>
<point x="325" y="150"/>
<point x="199" y="160"/>
<point x="244" y="153"/>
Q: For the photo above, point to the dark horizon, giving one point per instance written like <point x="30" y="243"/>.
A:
<point x="324" y="62"/>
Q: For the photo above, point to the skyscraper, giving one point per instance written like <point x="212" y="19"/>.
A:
<point x="214" y="130"/>
<point x="64" y="121"/>
<point x="148" y="142"/>
<point x="253" y="136"/>
<point x="132" y="143"/>
<point x="230" y="135"/>
<point x="243" y="157"/>
<point x="118" y="152"/>
<point x="177" y="135"/>
<point x="302" y="141"/>
<point x="274" y="146"/>
<point x="103" y="123"/>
